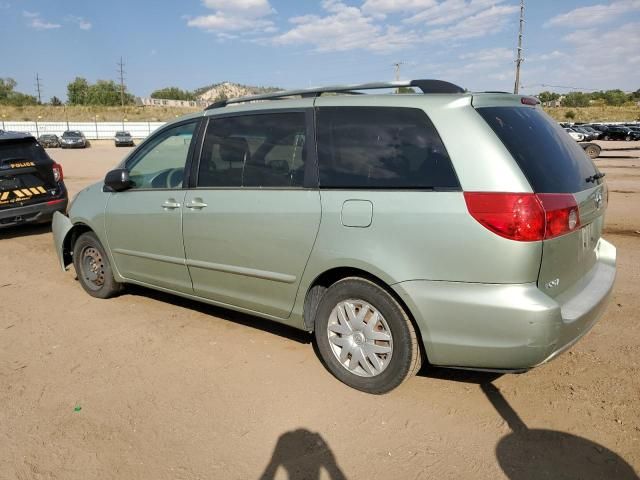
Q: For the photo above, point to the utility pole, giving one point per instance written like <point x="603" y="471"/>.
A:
<point x="38" y="88"/>
<point x="519" y="58"/>
<point x="121" y="73"/>
<point x="396" y="67"/>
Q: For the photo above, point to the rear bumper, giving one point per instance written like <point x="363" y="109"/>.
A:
<point x="36" y="213"/>
<point x="506" y="326"/>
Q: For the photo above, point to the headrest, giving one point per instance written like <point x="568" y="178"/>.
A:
<point x="235" y="149"/>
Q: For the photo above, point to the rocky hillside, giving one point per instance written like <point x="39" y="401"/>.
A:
<point x="223" y="90"/>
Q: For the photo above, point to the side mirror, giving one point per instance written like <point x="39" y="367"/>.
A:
<point x="118" y="180"/>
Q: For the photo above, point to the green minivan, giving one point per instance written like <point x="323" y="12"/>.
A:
<point x="445" y="227"/>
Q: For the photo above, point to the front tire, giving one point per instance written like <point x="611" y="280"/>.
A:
<point x="365" y="337"/>
<point x="93" y="268"/>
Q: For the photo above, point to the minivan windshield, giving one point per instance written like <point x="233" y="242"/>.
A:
<point x="552" y="161"/>
<point x="70" y="133"/>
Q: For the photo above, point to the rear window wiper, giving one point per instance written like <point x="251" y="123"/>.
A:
<point x="594" y="177"/>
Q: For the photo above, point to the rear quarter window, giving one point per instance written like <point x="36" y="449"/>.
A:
<point x="552" y="161"/>
<point x="381" y="147"/>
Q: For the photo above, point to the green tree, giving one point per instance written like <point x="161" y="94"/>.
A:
<point x="8" y="96"/>
<point x="405" y="90"/>
<point x="576" y="99"/>
<point x="173" y="93"/>
<point x="6" y="88"/>
<point x="570" y="115"/>
<point x="55" y="101"/>
<point x="615" y="97"/>
<point x="78" y="91"/>
<point x="547" y="96"/>
<point x="103" y="92"/>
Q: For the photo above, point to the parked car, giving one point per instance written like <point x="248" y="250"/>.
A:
<point x="615" y="132"/>
<point x="31" y="183"/>
<point x="596" y="134"/>
<point x="588" y="136"/>
<point x="49" y="140"/>
<point x="74" y="139"/>
<point x="577" y="136"/>
<point x="367" y="220"/>
<point x="123" y="139"/>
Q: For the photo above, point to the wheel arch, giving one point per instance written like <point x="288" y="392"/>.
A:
<point x="327" y="278"/>
<point x="70" y="240"/>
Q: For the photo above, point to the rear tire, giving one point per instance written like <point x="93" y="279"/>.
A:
<point x="93" y="268"/>
<point x="364" y="336"/>
<point x="593" y="151"/>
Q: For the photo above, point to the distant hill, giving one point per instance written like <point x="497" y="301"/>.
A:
<point x="222" y="90"/>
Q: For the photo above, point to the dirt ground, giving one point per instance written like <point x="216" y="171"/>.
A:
<point x="150" y="386"/>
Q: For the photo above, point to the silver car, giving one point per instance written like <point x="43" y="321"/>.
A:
<point x="445" y="227"/>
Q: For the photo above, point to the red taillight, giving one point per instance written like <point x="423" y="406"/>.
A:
<point x="57" y="172"/>
<point x="561" y="212"/>
<point x="525" y="217"/>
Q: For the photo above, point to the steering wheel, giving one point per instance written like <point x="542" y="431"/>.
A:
<point x="174" y="178"/>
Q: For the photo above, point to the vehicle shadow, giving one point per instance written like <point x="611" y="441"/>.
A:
<point x="458" y="375"/>
<point x="302" y="454"/>
<point x="245" y="319"/>
<point x="526" y="453"/>
<point x="24" y="230"/>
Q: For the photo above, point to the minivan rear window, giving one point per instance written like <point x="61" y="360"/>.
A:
<point x="552" y="161"/>
<point x="381" y="147"/>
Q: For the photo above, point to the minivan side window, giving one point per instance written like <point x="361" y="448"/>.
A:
<point x="259" y="150"/>
<point x="160" y="163"/>
<point x="381" y="147"/>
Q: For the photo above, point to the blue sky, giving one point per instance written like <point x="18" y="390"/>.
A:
<point x="585" y="44"/>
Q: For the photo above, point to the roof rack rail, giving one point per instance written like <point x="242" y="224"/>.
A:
<point x="426" y="86"/>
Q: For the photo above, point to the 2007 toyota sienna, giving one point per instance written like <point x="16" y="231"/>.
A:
<point x="455" y="228"/>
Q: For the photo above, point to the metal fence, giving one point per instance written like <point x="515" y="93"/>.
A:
<point x="91" y="130"/>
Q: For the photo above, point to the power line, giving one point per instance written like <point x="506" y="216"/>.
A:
<point x="38" y="88"/>
<point x="519" y="58"/>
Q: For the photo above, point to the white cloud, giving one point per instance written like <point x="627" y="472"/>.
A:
<point x="594" y="14"/>
<point x="391" y="6"/>
<point x="254" y="8"/>
<point x="483" y="23"/>
<point x="81" y="22"/>
<point x="584" y="64"/>
<point x="347" y="27"/>
<point x="450" y="11"/>
<point x="344" y="28"/>
<point x="37" y="23"/>
<point x="489" y="55"/>
<point x="240" y="16"/>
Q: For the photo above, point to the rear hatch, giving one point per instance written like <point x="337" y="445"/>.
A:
<point x="555" y="164"/>
<point x="26" y="173"/>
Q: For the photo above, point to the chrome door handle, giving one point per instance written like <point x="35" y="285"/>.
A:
<point x="170" y="204"/>
<point x="196" y="204"/>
